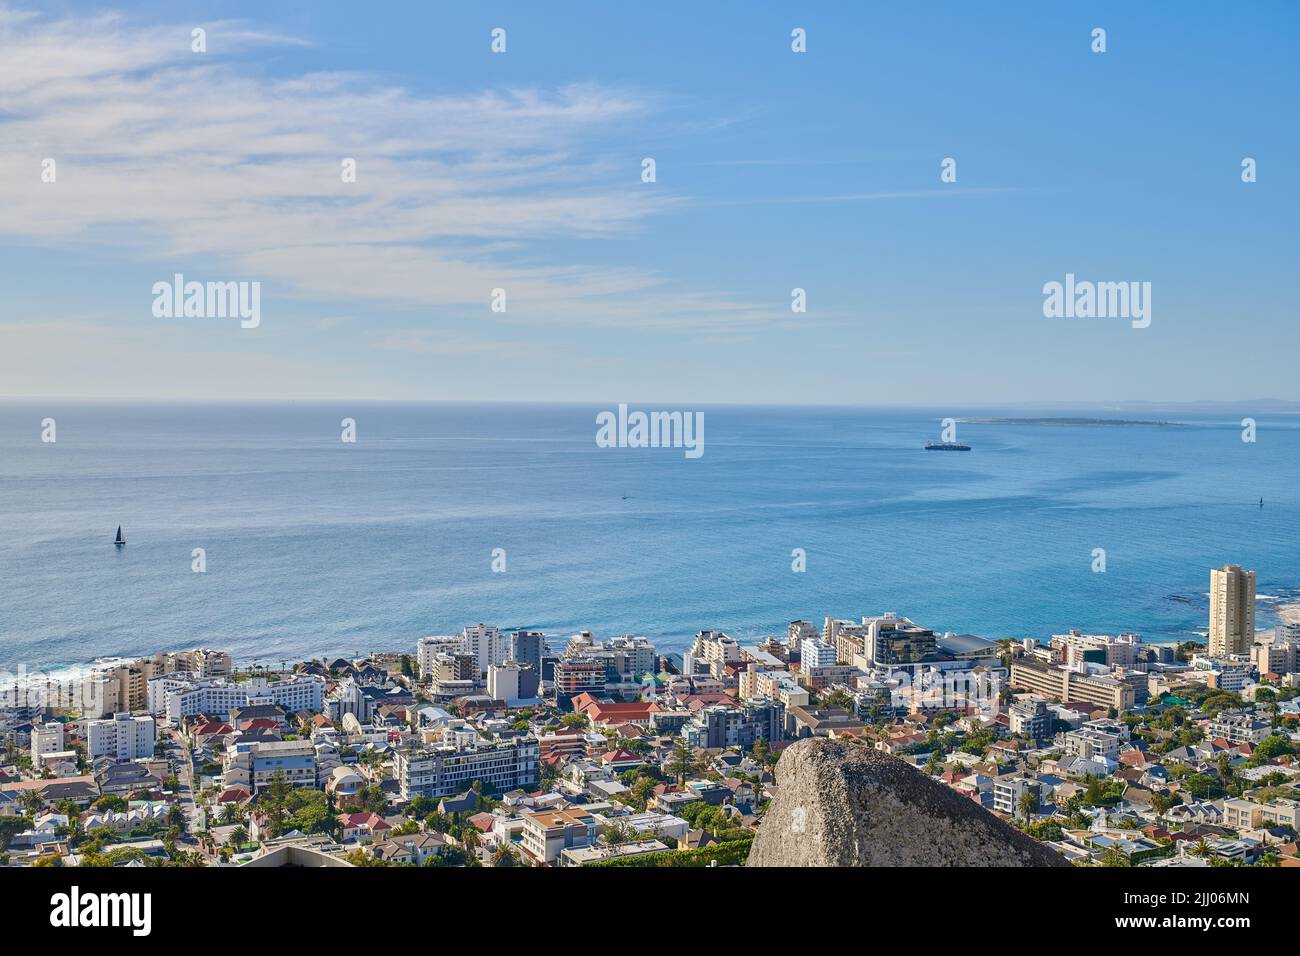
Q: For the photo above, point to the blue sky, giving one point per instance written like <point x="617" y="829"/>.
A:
<point x="775" y="170"/>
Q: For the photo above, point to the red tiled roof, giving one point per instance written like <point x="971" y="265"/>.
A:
<point x="364" y="819"/>
<point x="211" y="730"/>
<point x="616" y="713"/>
<point x="618" y="756"/>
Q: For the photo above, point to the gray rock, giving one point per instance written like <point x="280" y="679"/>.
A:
<point x="840" y="804"/>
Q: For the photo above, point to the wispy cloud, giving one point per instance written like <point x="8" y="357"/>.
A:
<point x="182" y="157"/>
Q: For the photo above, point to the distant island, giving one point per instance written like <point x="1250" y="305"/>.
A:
<point x="1069" y="421"/>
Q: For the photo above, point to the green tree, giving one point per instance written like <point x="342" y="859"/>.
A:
<point x="682" y="762"/>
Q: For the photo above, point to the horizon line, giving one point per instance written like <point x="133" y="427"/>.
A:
<point x="254" y="400"/>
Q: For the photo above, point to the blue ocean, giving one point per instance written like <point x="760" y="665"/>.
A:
<point x="319" y="547"/>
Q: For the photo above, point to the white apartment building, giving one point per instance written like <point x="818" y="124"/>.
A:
<point x="427" y="650"/>
<point x="181" y="695"/>
<point x="122" y="737"/>
<point x="1091" y="743"/>
<point x="487" y="644"/>
<point x="256" y="764"/>
<point x="46" y="739"/>
<point x="1008" y="792"/>
<point x="1238" y="728"/>
<point x="714" y="649"/>
<point x="449" y="769"/>
<point x="503" y="682"/>
<point x="815" y="653"/>
<point x="1079" y="649"/>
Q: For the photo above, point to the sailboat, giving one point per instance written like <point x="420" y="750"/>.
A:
<point x="1261" y="502"/>
<point x="120" y="541"/>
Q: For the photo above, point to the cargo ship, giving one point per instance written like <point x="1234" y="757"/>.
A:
<point x="946" y="446"/>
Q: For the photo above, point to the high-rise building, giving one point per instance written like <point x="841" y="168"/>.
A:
<point x="527" y="647"/>
<point x="486" y="643"/>
<point x="1232" y="610"/>
<point x="578" y="675"/>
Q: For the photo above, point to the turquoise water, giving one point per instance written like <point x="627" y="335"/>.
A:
<point x="319" y="547"/>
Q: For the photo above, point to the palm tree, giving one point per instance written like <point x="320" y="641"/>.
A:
<point x="1028" y="804"/>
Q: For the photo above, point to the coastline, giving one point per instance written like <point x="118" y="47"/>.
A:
<point x="1288" y="613"/>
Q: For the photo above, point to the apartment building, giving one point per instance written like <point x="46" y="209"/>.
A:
<point x="781" y="685"/>
<point x="571" y="743"/>
<point x="892" y="640"/>
<point x="1247" y="815"/>
<point x="177" y="696"/>
<point x="548" y="834"/>
<point x="816" y="653"/>
<point x="512" y="682"/>
<point x="428" y="649"/>
<point x="1089" y="744"/>
<point x="1238" y="728"/>
<point x="1278" y="656"/>
<point x="47" y="738"/>
<point x="722" y="725"/>
<point x="1063" y="684"/>
<point x="711" y="651"/>
<point x="449" y="769"/>
<point x="254" y="764"/>
<point x="578" y="675"/>
<point x="1079" y="649"/>
<point x="488" y="645"/>
<point x="1030" y="719"/>
<point x="528" y="647"/>
<point x="1008" y="792"/>
<point x="1232" y="610"/>
<point x="799" y="631"/>
<point x="849" y="638"/>
<point x="122" y="737"/>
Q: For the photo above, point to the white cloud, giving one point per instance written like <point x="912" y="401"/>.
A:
<point x="181" y="158"/>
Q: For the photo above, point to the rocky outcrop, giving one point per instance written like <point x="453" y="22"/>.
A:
<point x="841" y="804"/>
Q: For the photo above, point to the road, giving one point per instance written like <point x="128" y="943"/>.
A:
<point x="181" y="762"/>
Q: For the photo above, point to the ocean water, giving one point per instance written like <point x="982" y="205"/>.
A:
<point x="316" y="547"/>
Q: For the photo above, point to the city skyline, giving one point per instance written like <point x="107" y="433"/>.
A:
<point x="522" y="171"/>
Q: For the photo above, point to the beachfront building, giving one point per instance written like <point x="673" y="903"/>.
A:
<point x="181" y="695"/>
<point x="488" y="645"/>
<point x="428" y="649"/>
<point x="1232" y="610"/>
